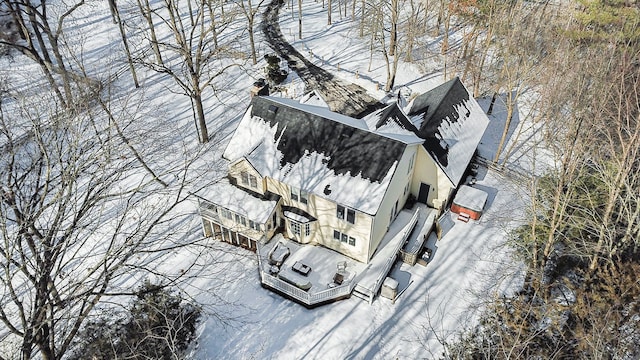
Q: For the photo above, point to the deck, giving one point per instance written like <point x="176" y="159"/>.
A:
<point x="307" y="273"/>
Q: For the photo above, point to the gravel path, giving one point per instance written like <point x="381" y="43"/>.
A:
<point x="342" y="97"/>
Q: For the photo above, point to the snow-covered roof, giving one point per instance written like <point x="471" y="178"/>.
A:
<point x="351" y="161"/>
<point x="392" y="122"/>
<point x="296" y="217"/>
<point x="322" y="152"/>
<point x="238" y="201"/>
<point x="452" y="124"/>
<point x="313" y="98"/>
<point x="471" y="198"/>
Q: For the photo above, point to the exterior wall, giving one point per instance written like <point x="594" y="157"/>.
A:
<point x="267" y="229"/>
<point x="396" y="193"/>
<point x="237" y="168"/>
<point x="428" y="172"/>
<point x="322" y="230"/>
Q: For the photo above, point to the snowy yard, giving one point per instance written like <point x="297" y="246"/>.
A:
<point x="468" y="265"/>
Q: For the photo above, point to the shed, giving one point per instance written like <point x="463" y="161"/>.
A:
<point x="469" y="202"/>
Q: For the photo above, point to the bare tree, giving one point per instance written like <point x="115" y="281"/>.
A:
<point x="393" y="31"/>
<point x="300" y="19"/>
<point x="41" y="39"/>
<point x="115" y="13"/>
<point x="414" y="30"/>
<point x="196" y="60"/>
<point x="145" y="10"/>
<point x="80" y="215"/>
<point x="250" y="13"/>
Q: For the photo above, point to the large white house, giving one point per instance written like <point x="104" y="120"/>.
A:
<point x="326" y="179"/>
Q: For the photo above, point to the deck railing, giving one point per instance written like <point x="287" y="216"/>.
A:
<point x="302" y="296"/>
<point x="208" y="213"/>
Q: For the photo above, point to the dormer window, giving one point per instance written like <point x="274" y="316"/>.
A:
<point x="248" y="180"/>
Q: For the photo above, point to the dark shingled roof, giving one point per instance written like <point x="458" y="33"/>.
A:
<point x="349" y="149"/>
<point x="393" y="113"/>
<point x="434" y="107"/>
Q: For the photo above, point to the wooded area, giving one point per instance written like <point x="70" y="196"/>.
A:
<point x="73" y="171"/>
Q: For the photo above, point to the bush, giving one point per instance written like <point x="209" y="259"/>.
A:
<point x="274" y="73"/>
<point x="157" y="325"/>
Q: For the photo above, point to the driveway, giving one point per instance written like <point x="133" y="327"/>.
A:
<point x="342" y="97"/>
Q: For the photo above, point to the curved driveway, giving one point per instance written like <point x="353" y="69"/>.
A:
<point x="342" y="97"/>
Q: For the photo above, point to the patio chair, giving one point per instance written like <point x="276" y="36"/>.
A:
<point x="342" y="266"/>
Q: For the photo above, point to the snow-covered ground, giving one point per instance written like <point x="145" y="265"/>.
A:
<point x="469" y="265"/>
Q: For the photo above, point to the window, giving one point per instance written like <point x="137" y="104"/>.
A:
<point x="295" y="228"/>
<point x="254" y="225"/>
<point x="299" y="195"/>
<point x="226" y="213"/>
<point x="243" y="221"/>
<point x="349" y="213"/>
<point x="248" y="179"/>
<point x="351" y="216"/>
<point x="406" y="188"/>
<point x="344" y="238"/>
<point x="411" y="163"/>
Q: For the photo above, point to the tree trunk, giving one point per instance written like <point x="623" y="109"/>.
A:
<point x="145" y="9"/>
<point x="470" y="48"/>
<point x="300" y="19"/>
<point x="329" y="12"/>
<point x="507" y="125"/>
<point x="394" y="28"/>
<point x="202" y="123"/>
<point x="478" y="74"/>
<point x="252" y="44"/>
<point x="123" y="34"/>
<point x="212" y="19"/>
<point x="113" y="9"/>
<point x="392" y="78"/>
<point x="353" y="10"/>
